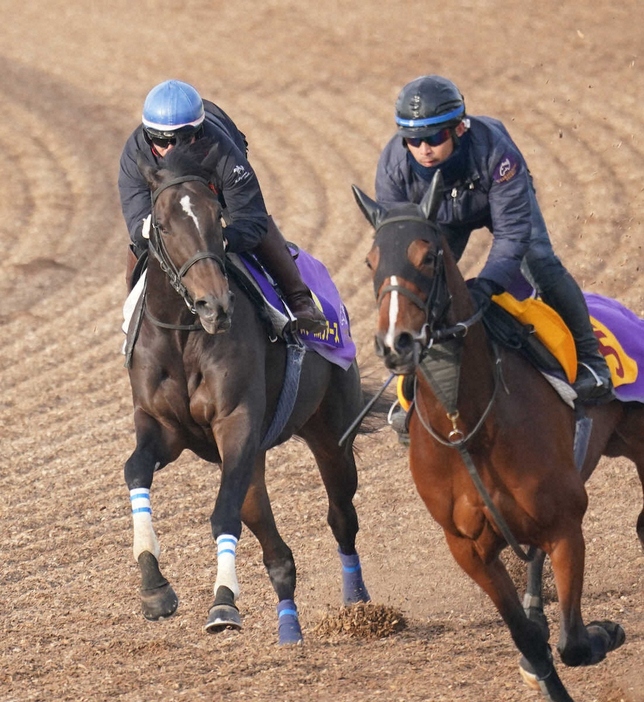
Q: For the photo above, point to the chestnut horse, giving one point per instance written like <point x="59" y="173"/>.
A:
<point x="206" y="376"/>
<point x="491" y="443"/>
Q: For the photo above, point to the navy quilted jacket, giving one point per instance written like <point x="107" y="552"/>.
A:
<point x="487" y="184"/>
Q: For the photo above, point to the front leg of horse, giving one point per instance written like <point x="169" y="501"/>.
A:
<point x="225" y="521"/>
<point x="224" y="613"/>
<point x="579" y="645"/>
<point x="257" y="515"/>
<point x="158" y="599"/>
<point x="527" y="635"/>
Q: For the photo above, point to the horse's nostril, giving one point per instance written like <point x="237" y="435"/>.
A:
<point x="212" y="307"/>
<point x="202" y="307"/>
<point x="404" y="342"/>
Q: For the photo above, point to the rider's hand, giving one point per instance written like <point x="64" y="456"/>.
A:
<point x="482" y="289"/>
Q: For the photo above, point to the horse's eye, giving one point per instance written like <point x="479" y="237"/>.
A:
<point x="368" y="264"/>
<point x="429" y="259"/>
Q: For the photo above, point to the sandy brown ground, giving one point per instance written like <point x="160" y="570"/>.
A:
<point x="313" y="85"/>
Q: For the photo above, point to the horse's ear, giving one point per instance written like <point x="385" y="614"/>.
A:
<point x="370" y="208"/>
<point x="150" y="173"/>
<point x="432" y="199"/>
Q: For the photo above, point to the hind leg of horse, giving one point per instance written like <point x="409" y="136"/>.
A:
<point x="158" y="599"/>
<point x="533" y="600"/>
<point x="533" y="607"/>
<point x="342" y="402"/>
<point x="257" y="515"/>
<point x="527" y="635"/>
<point x="339" y="475"/>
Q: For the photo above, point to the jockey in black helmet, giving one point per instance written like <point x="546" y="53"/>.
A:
<point x="174" y="111"/>
<point x="487" y="184"/>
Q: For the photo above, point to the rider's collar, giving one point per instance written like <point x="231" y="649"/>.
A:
<point x="453" y="168"/>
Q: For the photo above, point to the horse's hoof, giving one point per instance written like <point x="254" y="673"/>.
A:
<point x="288" y="627"/>
<point x="353" y="588"/>
<point x="605" y="636"/>
<point x="223" y="617"/>
<point x="159" y="603"/>
<point x="355" y="593"/>
<point x="289" y="631"/>
<point x="528" y="674"/>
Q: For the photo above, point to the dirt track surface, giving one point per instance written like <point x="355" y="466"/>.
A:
<point x="313" y="87"/>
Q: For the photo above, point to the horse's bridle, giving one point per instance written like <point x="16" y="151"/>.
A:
<point x="437" y="299"/>
<point x="159" y="251"/>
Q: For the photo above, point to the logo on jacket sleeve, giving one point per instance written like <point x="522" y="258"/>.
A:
<point x="507" y="169"/>
<point x="240" y="174"/>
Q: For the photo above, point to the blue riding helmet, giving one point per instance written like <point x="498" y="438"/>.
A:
<point x="172" y="108"/>
<point x="427" y="105"/>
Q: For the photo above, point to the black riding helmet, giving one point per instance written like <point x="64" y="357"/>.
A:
<point x="427" y="105"/>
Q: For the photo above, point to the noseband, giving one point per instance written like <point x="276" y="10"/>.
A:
<point x="160" y="252"/>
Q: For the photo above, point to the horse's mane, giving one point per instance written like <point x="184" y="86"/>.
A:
<point x="187" y="158"/>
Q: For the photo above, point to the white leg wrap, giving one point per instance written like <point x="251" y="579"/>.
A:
<point x="144" y="537"/>
<point x="226" y="574"/>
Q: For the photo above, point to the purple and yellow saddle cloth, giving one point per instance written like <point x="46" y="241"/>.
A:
<point x="620" y="333"/>
<point x="335" y="343"/>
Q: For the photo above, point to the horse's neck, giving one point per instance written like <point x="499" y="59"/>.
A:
<point x="478" y="359"/>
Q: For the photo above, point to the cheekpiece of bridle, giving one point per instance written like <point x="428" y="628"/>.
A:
<point x="159" y="251"/>
<point x="393" y="237"/>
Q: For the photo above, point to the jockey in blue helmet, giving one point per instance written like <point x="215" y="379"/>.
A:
<point x="174" y="112"/>
<point x="171" y="109"/>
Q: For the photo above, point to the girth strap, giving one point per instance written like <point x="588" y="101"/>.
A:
<point x="294" y="357"/>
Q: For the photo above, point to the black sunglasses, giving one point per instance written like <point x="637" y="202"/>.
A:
<point x="433" y="140"/>
<point x="162" y="143"/>
<point x="164" y="139"/>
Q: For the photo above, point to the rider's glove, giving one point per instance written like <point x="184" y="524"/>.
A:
<point x="482" y="289"/>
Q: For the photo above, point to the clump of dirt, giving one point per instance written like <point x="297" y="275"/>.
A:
<point x="362" y="621"/>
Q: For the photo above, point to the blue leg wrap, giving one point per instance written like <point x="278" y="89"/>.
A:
<point x="353" y="588"/>
<point x="288" y="624"/>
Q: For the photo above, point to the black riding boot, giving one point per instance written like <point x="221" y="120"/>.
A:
<point x="593" y="375"/>
<point x="274" y="255"/>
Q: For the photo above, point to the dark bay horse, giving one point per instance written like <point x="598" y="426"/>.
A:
<point x="205" y="376"/>
<point x="491" y="443"/>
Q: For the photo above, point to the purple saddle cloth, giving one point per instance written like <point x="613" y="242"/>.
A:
<point x="620" y="333"/>
<point x="335" y="343"/>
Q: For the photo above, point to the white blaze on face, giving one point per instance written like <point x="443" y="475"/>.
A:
<point x="393" y="314"/>
<point x="187" y="208"/>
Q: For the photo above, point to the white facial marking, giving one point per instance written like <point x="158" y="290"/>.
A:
<point x="187" y="208"/>
<point x="393" y="314"/>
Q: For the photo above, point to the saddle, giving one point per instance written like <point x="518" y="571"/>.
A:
<point x="535" y="330"/>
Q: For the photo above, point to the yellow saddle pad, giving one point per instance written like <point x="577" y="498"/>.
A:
<point x="549" y="328"/>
